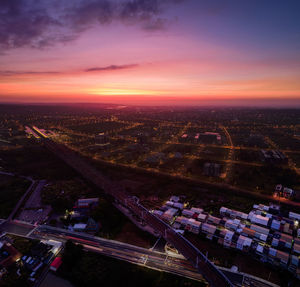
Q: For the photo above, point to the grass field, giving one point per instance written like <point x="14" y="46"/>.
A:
<point x="11" y="190"/>
<point x="33" y="159"/>
<point x="263" y="178"/>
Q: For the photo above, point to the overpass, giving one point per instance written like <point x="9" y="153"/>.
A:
<point x="210" y="272"/>
<point x="149" y="258"/>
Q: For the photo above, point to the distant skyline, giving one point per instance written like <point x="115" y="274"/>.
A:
<point x="184" y="52"/>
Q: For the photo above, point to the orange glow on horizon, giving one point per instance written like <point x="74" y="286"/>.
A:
<point x="121" y="92"/>
<point x="193" y="58"/>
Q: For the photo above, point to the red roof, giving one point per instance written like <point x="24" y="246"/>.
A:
<point x="56" y="263"/>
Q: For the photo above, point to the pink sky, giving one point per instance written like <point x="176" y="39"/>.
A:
<point x="131" y="63"/>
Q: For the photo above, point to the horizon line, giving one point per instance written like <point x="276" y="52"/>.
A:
<point x="241" y="103"/>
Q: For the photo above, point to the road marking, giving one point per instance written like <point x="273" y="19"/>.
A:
<point x="152" y="248"/>
<point x="31" y="231"/>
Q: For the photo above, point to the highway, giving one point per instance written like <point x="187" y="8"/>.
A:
<point x="130" y="253"/>
<point x="148" y="258"/>
<point x="140" y="256"/>
<point x="143" y="257"/>
<point x="213" y="276"/>
<point x="17" y="227"/>
<point x="198" y="260"/>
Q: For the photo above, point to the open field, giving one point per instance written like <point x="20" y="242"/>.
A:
<point x="11" y="190"/>
<point x="263" y="178"/>
<point x="32" y="159"/>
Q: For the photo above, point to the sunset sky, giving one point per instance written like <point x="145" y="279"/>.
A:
<point x="150" y="52"/>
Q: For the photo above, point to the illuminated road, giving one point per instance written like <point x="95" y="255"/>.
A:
<point x="212" y="274"/>
<point x="230" y="161"/>
<point x="206" y="183"/>
<point x="140" y="256"/>
<point x="209" y="184"/>
<point x="121" y="197"/>
<point x="228" y="147"/>
<point x="122" y="251"/>
<point x="148" y="258"/>
<point x="228" y="168"/>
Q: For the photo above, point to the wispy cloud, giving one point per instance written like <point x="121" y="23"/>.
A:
<point x="111" y="68"/>
<point x="11" y="73"/>
<point x="26" y="73"/>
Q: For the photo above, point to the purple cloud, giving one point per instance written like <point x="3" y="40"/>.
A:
<point x="38" y="24"/>
<point x="111" y="68"/>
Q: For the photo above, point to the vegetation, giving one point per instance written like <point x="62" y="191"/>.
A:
<point x="264" y="178"/>
<point x="11" y="190"/>
<point x="89" y="269"/>
<point x="110" y="219"/>
<point x="12" y="279"/>
<point x="61" y="195"/>
<point x="22" y="244"/>
<point x="33" y="159"/>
